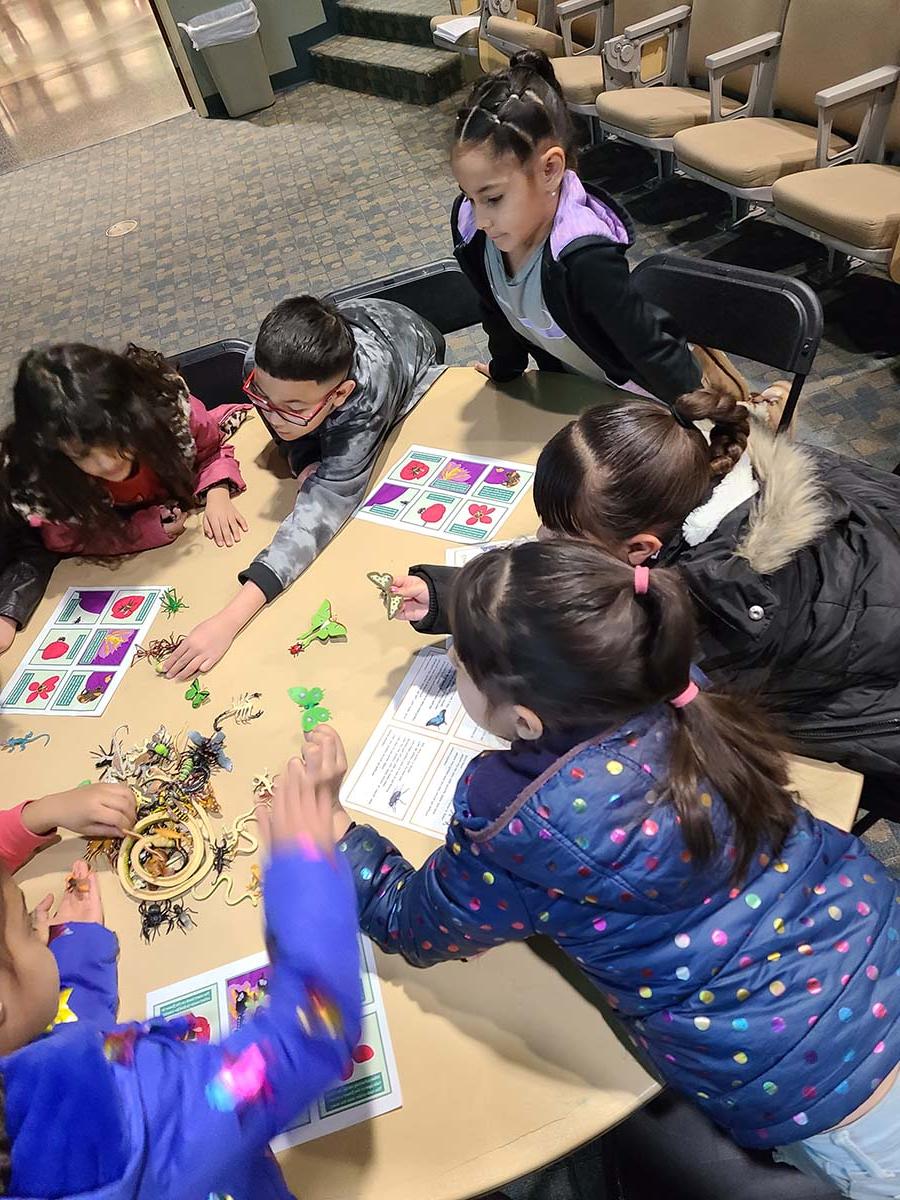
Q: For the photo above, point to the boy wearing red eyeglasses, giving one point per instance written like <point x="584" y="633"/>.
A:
<point x="330" y="382"/>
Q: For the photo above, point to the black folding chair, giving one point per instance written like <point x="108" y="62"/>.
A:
<point x="773" y="319"/>
<point x="439" y="292"/>
<point x="214" y="373"/>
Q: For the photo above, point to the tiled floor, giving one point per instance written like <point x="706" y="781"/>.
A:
<point x="74" y="72"/>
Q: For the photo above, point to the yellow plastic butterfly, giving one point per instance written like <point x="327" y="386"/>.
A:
<point x="384" y="582"/>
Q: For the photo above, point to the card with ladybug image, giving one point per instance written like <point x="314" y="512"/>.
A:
<point x="430" y="510"/>
<point x="60" y="646"/>
<point x="418" y="467"/>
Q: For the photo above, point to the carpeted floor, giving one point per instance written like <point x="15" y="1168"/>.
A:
<point x="328" y="188"/>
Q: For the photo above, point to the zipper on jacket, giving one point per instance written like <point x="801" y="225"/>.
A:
<point x="834" y="733"/>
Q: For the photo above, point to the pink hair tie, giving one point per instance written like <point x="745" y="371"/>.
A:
<point x="691" y="692"/>
<point x="641" y="580"/>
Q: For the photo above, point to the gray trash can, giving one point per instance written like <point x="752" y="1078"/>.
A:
<point x="228" y="39"/>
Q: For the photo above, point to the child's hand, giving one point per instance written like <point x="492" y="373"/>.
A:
<point x="173" y="518"/>
<point x="8" y="631"/>
<point x="201" y="649"/>
<point x="300" y="814"/>
<point x="416" y="598"/>
<point x="482" y="369"/>
<point x="81" y="901"/>
<point x="326" y="762"/>
<point x="102" y="810"/>
<point x="221" y="521"/>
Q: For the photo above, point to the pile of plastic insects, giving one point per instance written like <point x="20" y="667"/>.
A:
<point x="173" y="847"/>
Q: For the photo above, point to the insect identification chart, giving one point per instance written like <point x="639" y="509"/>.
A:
<point x="410" y="766"/>
<point x="78" y="659"/>
<point x="456" y="497"/>
<point x="222" y="1000"/>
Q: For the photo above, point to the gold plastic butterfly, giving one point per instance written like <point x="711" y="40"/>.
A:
<point x="384" y="582"/>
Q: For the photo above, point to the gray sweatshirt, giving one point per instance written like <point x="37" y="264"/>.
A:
<point x="395" y="363"/>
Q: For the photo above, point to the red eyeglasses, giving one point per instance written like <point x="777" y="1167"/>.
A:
<point x="262" y="402"/>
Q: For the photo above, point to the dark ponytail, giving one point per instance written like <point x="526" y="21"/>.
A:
<point x="637" y="467"/>
<point x="558" y="626"/>
<point x="517" y="110"/>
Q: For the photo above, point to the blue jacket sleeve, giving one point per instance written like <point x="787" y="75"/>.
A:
<point x="452" y="907"/>
<point x="86" y="955"/>
<point x="209" y="1108"/>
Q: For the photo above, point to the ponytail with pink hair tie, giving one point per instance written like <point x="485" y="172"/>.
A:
<point x="691" y="692"/>
<point x="641" y="580"/>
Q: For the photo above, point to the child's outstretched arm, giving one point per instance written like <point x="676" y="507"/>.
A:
<point x="218" y="475"/>
<point x="208" y="1109"/>
<point x="451" y="907"/>
<point x="101" y="810"/>
<point x="86" y="952"/>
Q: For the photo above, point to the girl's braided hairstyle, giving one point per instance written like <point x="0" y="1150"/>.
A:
<point x="518" y="109"/>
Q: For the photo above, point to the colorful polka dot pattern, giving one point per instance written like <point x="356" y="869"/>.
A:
<point x="744" y="994"/>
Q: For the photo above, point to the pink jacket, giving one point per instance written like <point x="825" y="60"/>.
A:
<point x="143" y="530"/>
<point x="18" y="844"/>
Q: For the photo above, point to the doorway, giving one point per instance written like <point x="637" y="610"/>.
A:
<point x="77" y="72"/>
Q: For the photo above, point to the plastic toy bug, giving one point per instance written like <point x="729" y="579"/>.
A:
<point x="180" y="917"/>
<point x="154" y="915"/>
<point x="172" y="604"/>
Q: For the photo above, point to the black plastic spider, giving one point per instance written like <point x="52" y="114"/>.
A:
<point x="154" y="914"/>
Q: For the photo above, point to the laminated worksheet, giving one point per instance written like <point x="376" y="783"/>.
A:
<point x="222" y="999"/>
<point x="410" y="766"/>
<point x="456" y="497"/>
<point x="79" y="658"/>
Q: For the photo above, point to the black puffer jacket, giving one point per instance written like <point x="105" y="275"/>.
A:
<point x="25" y="569"/>
<point x="797" y="593"/>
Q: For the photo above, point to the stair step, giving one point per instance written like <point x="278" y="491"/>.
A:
<point x="391" y="69"/>
<point x="391" y="20"/>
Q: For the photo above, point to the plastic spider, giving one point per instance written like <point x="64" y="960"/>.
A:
<point x="154" y="914"/>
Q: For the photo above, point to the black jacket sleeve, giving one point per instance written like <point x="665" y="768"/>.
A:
<point x="509" y="352"/>
<point x="439" y="581"/>
<point x="25" y="570"/>
<point x="611" y="309"/>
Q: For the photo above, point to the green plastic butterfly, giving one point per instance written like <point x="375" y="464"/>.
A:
<point x="310" y="700"/>
<point x="196" y="694"/>
<point x="322" y="627"/>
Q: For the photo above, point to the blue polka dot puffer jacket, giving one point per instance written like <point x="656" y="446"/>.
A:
<point x="773" y="1003"/>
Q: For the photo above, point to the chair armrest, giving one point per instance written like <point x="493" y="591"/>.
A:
<point x="624" y="54"/>
<point x="659" y="24"/>
<point x="878" y="88"/>
<point x="568" y="11"/>
<point x="861" y="85"/>
<point x="760" y="53"/>
<point x="744" y="54"/>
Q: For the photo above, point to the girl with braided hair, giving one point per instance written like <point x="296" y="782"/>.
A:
<point x="547" y="253"/>
<point x="645" y="825"/>
<point x="791" y="555"/>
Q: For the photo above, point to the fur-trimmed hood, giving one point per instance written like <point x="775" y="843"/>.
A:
<point x="791" y="510"/>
